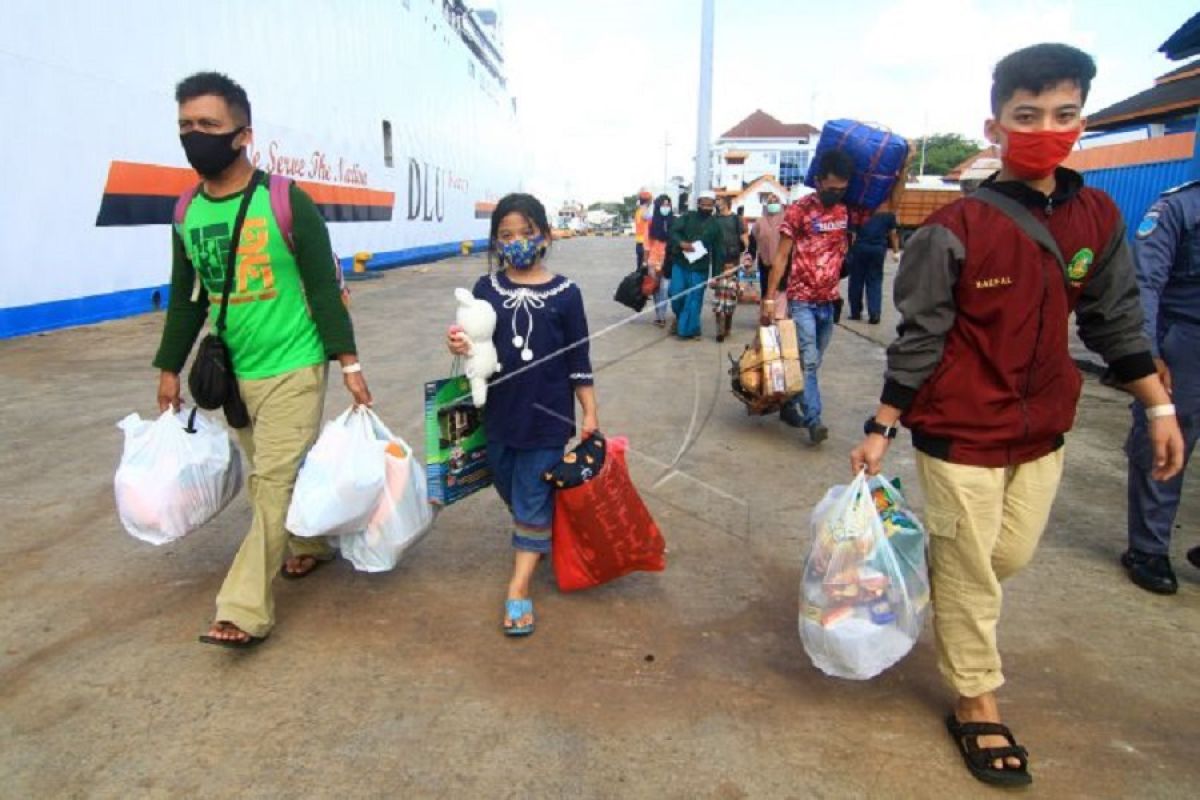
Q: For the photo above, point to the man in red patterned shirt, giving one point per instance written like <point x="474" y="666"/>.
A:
<point x="814" y="238"/>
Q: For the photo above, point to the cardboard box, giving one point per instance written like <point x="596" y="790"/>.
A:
<point x="793" y="372"/>
<point x="774" y="379"/>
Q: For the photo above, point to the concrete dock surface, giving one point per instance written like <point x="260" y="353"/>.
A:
<point x="691" y="683"/>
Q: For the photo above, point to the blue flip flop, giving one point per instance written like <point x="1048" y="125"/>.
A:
<point x="513" y="611"/>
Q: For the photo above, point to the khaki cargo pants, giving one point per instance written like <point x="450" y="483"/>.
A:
<point x="984" y="525"/>
<point x="285" y="417"/>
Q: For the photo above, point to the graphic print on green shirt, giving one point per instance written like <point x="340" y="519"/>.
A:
<point x="268" y="326"/>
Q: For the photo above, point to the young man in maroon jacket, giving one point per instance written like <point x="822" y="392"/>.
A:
<point x="981" y="373"/>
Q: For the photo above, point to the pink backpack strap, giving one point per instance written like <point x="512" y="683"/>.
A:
<point x="181" y="205"/>
<point x="281" y="206"/>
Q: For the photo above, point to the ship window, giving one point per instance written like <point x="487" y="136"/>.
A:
<point x="387" y="144"/>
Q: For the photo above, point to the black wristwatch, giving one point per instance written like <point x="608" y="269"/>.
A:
<point x="871" y="426"/>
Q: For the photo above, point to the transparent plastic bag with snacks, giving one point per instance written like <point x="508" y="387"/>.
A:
<point x="865" y="588"/>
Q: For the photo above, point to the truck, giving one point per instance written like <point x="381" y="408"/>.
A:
<point x="918" y="201"/>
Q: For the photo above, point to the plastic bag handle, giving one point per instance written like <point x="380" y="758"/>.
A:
<point x="191" y="423"/>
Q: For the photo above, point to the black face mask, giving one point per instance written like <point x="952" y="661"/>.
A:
<point x="210" y="154"/>
<point x="830" y="197"/>
<point x="704" y="212"/>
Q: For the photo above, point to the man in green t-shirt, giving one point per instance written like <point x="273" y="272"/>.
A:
<point x="285" y="320"/>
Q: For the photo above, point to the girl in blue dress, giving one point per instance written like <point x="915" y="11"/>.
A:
<point x="541" y="338"/>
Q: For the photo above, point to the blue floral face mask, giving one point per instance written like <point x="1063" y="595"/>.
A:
<point x="522" y="253"/>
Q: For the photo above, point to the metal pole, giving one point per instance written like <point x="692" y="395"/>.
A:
<point x="704" y="121"/>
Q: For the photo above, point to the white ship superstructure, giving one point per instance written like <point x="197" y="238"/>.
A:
<point x="393" y="114"/>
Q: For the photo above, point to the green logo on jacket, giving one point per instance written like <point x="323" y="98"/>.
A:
<point x="1080" y="265"/>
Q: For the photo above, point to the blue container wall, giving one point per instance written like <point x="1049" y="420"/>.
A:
<point x="1136" y="187"/>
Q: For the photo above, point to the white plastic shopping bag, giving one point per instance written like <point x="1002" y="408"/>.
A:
<point x="865" y="587"/>
<point x="176" y="473"/>
<point x="341" y="480"/>
<point x="403" y="515"/>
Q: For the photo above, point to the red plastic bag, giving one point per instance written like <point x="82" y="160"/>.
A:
<point x="602" y="529"/>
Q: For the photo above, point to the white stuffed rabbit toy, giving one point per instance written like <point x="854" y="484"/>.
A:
<point x="476" y="320"/>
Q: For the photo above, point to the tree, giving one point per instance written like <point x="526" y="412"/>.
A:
<point x="943" y="152"/>
<point x="624" y="209"/>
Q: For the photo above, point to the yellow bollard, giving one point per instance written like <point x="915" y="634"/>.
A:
<point x="467" y="247"/>
<point x="360" y="261"/>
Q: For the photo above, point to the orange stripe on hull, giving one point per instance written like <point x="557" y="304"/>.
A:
<point x="127" y="177"/>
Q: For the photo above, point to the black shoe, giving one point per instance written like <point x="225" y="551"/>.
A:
<point x="818" y="433"/>
<point x="1152" y="573"/>
<point x="855" y="317"/>
<point x="873" y="321"/>
<point x="791" y="416"/>
<point x="1193" y="556"/>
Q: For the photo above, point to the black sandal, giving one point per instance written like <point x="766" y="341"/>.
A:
<point x="980" y="759"/>
<point x="296" y="576"/>
<point x="233" y="644"/>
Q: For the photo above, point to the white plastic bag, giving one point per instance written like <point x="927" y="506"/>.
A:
<point x="865" y="587"/>
<point x="403" y="515"/>
<point x="341" y="480"/>
<point x="176" y="473"/>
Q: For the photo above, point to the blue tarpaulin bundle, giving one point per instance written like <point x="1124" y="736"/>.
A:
<point x="879" y="157"/>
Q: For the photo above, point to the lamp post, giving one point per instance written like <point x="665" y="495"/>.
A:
<point x="704" y="116"/>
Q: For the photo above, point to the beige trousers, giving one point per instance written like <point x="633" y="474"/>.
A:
<point x="285" y="417"/>
<point x="984" y="524"/>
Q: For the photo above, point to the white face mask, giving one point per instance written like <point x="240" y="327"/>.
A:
<point x="664" y="210"/>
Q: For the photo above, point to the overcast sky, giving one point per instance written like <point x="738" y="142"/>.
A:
<point x="601" y="83"/>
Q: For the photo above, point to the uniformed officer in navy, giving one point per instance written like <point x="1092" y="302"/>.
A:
<point x="1167" y="251"/>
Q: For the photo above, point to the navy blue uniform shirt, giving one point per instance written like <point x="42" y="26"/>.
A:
<point x="1167" y="250"/>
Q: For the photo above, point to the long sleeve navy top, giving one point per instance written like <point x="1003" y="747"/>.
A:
<point x="542" y="340"/>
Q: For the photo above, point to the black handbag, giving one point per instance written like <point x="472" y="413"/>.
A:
<point x="629" y="290"/>
<point x="211" y="380"/>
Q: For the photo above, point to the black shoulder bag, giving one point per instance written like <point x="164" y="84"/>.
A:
<point x="211" y="380"/>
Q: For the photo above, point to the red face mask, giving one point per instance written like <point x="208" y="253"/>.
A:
<point x="1032" y="156"/>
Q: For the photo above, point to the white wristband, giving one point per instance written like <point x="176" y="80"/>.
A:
<point x="349" y="369"/>
<point x="1165" y="410"/>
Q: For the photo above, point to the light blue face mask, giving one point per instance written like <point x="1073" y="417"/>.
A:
<point x="664" y="211"/>
<point x="522" y="253"/>
<point x="774" y="208"/>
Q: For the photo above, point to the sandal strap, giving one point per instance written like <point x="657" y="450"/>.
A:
<point x="974" y="729"/>
<point x="990" y="754"/>
<point x="515" y="609"/>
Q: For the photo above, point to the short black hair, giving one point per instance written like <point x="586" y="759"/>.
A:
<point x="214" y="83"/>
<point x="1038" y="68"/>
<point x="528" y="207"/>
<point x="836" y="163"/>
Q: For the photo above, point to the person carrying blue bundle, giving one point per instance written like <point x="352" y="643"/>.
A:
<point x="541" y="338"/>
